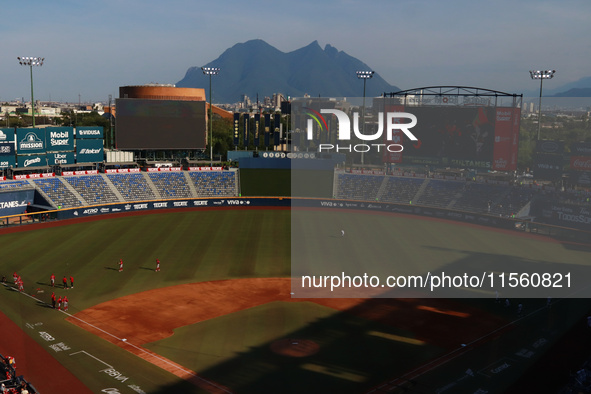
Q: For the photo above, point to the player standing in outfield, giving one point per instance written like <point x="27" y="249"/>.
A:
<point x="72" y="282"/>
<point x="157" y="266"/>
<point x="59" y="303"/>
<point x="53" y="299"/>
<point x="15" y="277"/>
<point x="65" y="281"/>
<point x="52" y="280"/>
<point x="120" y="265"/>
<point x="65" y="303"/>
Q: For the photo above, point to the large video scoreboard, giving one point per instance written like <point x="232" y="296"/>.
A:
<point x="145" y="124"/>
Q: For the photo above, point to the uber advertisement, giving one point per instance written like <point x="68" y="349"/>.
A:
<point x="59" y="158"/>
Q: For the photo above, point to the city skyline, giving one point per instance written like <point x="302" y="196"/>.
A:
<point x="90" y="50"/>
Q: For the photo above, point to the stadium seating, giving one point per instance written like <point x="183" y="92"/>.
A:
<point x="215" y="184"/>
<point x="440" y="193"/>
<point x="133" y="187"/>
<point x="401" y="190"/>
<point x="9" y="379"/>
<point x="58" y="192"/>
<point x="171" y="184"/>
<point x="14" y="184"/>
<point x="358" y="187"/>
<point x="93" y="189"/>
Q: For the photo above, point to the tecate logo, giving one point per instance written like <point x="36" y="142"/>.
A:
<point x="344" y="126"/>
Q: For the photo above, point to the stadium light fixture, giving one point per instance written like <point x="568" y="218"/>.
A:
<point x="210" y="71"/>
<point x="31" y="61"/>
<point x="365" y="75"/>
<point x="541" y="75"/>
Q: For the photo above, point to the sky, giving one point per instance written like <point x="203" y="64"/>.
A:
<point x="92" y="48"/>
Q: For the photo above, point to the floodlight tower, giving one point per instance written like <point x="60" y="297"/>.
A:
<point x="31" y="61"/>
<point x="210" y="71"/>
<point x="365" y="75"/>
<point x="541" y="75"/>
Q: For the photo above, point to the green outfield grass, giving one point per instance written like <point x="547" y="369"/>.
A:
<point x="196" y="246"/>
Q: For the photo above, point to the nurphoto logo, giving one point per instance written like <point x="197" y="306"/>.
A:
<point x="393" y="126"/>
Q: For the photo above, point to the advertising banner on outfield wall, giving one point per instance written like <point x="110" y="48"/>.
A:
<point x="566" y="215"/>
<point x="92" y="132"/>
<point x="15" y="202"/>
<point x="6" y="134"/>
<point x="25" y="161"/>
<point x="89" y="151"/>
<point x="30" y="141"/>
<point x="55" y="158"/>
<point x="59" y="139"/>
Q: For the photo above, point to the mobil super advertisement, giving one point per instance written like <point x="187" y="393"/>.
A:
<point x="59" y="139"/>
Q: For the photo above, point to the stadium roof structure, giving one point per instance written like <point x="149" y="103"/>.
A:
<point x="452" y="94"/>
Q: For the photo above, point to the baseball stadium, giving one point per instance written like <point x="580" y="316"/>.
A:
<point x="183" y="278"/>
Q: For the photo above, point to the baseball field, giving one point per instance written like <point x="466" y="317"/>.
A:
<point x="219" y="316"/>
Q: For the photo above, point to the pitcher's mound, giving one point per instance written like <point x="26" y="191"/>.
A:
<point x="294" y="347"/>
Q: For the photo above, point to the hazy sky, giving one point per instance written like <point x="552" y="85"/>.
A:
<point x="92" y="48"/>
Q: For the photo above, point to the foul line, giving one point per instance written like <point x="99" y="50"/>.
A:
<point x="147" y="353"/>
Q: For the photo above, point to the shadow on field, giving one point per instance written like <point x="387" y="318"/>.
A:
<point x="147" y="269"/>
<point x="111" y="268"/>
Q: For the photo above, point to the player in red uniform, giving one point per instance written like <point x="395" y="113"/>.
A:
<point x="59" y="303"/>
<point x="157" y="266"/>
<point x="65" y="303"/>
<point x="65" y="281"/>
<point x="120" y="265"/>
<point x="52" y="280"/>
<point x="53" y="301"/>
<point x="72" y="282"/>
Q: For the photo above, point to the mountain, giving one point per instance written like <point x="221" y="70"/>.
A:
<point x="578" y="88"/>
<point x="575" y="92"/>
<point x="255" y="67"/>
